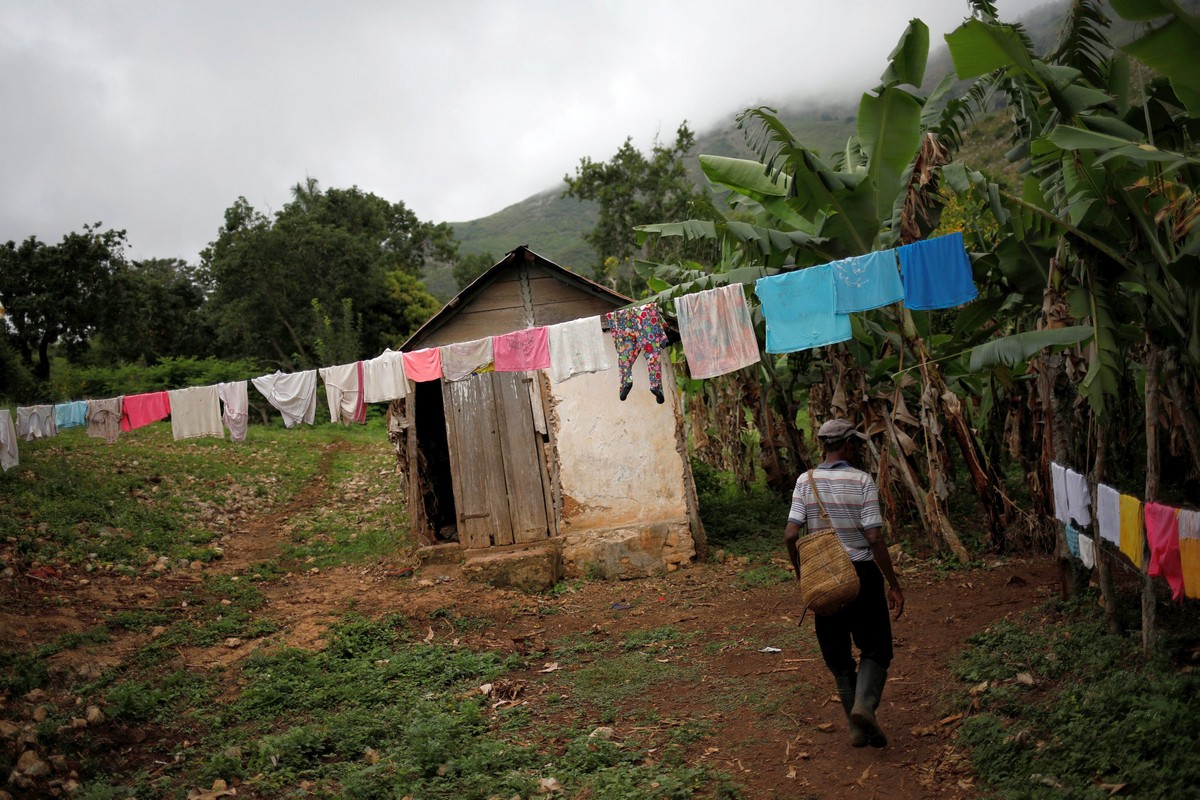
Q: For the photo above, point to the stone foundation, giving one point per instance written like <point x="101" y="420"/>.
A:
<point x="632" y="551"/>
<point x="528" y="567"/>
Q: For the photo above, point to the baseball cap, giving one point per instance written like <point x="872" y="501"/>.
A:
<point x="837" y="430"/>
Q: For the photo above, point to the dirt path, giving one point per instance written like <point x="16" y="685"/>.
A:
<point x="770" y="720"/>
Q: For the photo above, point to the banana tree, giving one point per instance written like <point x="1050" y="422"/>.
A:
<point x="1108" y="207"/>
<point x="792" y="208"/>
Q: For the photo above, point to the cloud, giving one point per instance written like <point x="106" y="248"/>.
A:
<point x="156" y="116"/>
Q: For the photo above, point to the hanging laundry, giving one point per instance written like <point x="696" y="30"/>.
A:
<point x="195" y="412"/>
<point x="1058" y="484"/>
<point x="104" y="418"/>
<point x="936" y="273"/>
<point x="1162" y="534"/>
<point x="9" y="456"/>
<point x="36" y="422"/>
<point x="383" y="378"/>
<point x="636" y="331"/>
<point x="343" y="391"/>
<point x="1087" y="550"/>
<point x="716" y="331"/>
<point x="578" y="347"/>
<point x="799" y="309"/>
<point x="1108" y="514"/>
<point x="139" y="410"/>
<point x="294" y="395"/>
<point x="1132" y="534"/>
<point x="861" y="283"/>
<point x="1189" y="551"/>
<point x="1073" y="537"/>
<point x="1079" y="498"/>
<point x="423" y="365"/>
<point x="461" y="360"/>
<point x="522" y="350"/>
<point x="70" y="415"/>
<point x="236" y="402"/>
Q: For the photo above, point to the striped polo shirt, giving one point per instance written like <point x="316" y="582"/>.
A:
<point x="851" y="499"/>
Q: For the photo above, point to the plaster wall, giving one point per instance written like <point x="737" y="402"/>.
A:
<point x="618" y="461"/>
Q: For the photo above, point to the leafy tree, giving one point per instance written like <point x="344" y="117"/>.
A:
<point x="155" y="311"/>
<point x="57" y="294"/>
<point x="633" y="189"/>
<point x="470" y="266"/>
<point x="329" y="246"/>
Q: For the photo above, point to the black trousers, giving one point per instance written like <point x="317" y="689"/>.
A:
<point x="866" y="621"/>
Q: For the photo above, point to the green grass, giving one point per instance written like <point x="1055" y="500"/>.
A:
<point x="1098" y="714"/>
<point x="380" y="714"/>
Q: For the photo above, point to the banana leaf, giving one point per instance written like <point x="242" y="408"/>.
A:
<point x="1011" y="351"/>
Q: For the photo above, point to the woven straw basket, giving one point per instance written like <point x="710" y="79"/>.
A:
<point x="828" y="580"/>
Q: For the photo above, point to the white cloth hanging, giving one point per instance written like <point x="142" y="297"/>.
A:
<point x="343" y="390"/>
<point x="1079" y="498"/>
<point x="383" y="378"/>
<point x="236" y="402"/>
<point x="195" y="412"/>
<point x="36" y="422"/>
<point x="293" y="394"/>
<point x="1108" y="514"/>
<point x="579" y="347"/>
<point x="9" y="457"/>
<point x="1058" y="482"/>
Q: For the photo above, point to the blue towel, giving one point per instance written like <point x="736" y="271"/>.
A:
<point x="1073" y="540"/>
<point x="865" y="282"/>
<point x="936" y="273"/>
<point x="798" y="307"/>
<point x="70" y="415"/>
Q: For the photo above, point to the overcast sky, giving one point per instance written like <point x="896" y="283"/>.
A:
<point x="154" y="116"/>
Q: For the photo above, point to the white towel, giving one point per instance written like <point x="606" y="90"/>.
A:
<point x="293" y="394"/>
<point x="1087" y="550"/>
<point x="1058" y="482"/>
<point x="342" y="390"/>
<point x="577" y="347"/>
<point x="236" y="401"/>
<point x="383" y="378"/>
<point x="195" y="412"/>
<point x="1108" y="514"/>
<point x="1079" y="498"/>
<point x="9" y="457"/>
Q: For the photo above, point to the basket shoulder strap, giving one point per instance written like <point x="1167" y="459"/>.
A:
<point x="812" y="481"/>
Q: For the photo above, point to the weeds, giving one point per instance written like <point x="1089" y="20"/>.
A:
<point x="1098" y="715"/>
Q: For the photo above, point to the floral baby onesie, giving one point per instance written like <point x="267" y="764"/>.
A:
<point x="638" y="330"/>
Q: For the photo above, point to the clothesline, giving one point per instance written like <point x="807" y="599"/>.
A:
<point x="1171" y="534"/>
<point x="803" y="309"/>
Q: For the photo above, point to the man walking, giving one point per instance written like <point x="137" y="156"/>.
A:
<point x="852" y="501"/>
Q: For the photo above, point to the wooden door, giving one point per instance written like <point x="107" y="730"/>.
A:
<point x="496" y="458"/>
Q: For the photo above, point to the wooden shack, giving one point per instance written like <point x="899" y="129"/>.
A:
<point x="512" y="462"/>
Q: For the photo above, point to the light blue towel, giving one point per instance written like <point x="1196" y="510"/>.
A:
<point x="936" y="273"/>
<point x="865" y="282"/>
<point x="799" y="309"/>
<point x="1073" y="540"/>
<point x="70" y="415"/>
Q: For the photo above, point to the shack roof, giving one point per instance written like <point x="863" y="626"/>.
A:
<point x="516" y="269"/>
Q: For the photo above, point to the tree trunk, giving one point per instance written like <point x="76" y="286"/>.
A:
<point x="41" y="370"/>
<point x="1103" y="560"/>
<point x="1152" y="462"/>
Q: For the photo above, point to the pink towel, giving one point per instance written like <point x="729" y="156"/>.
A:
<point x="1162" y="533"/>
<point x="522" y="350"/>
<point x="423" y="365"/>
<point x="138" y="410"/>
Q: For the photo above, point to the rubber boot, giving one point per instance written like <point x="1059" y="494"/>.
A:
<point x="868" y="691"/>
<point x="846" y="685"/>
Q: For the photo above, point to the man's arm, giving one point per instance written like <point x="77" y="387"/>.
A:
<point x="790" y="534"/>
<point x="883" y="558"/>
